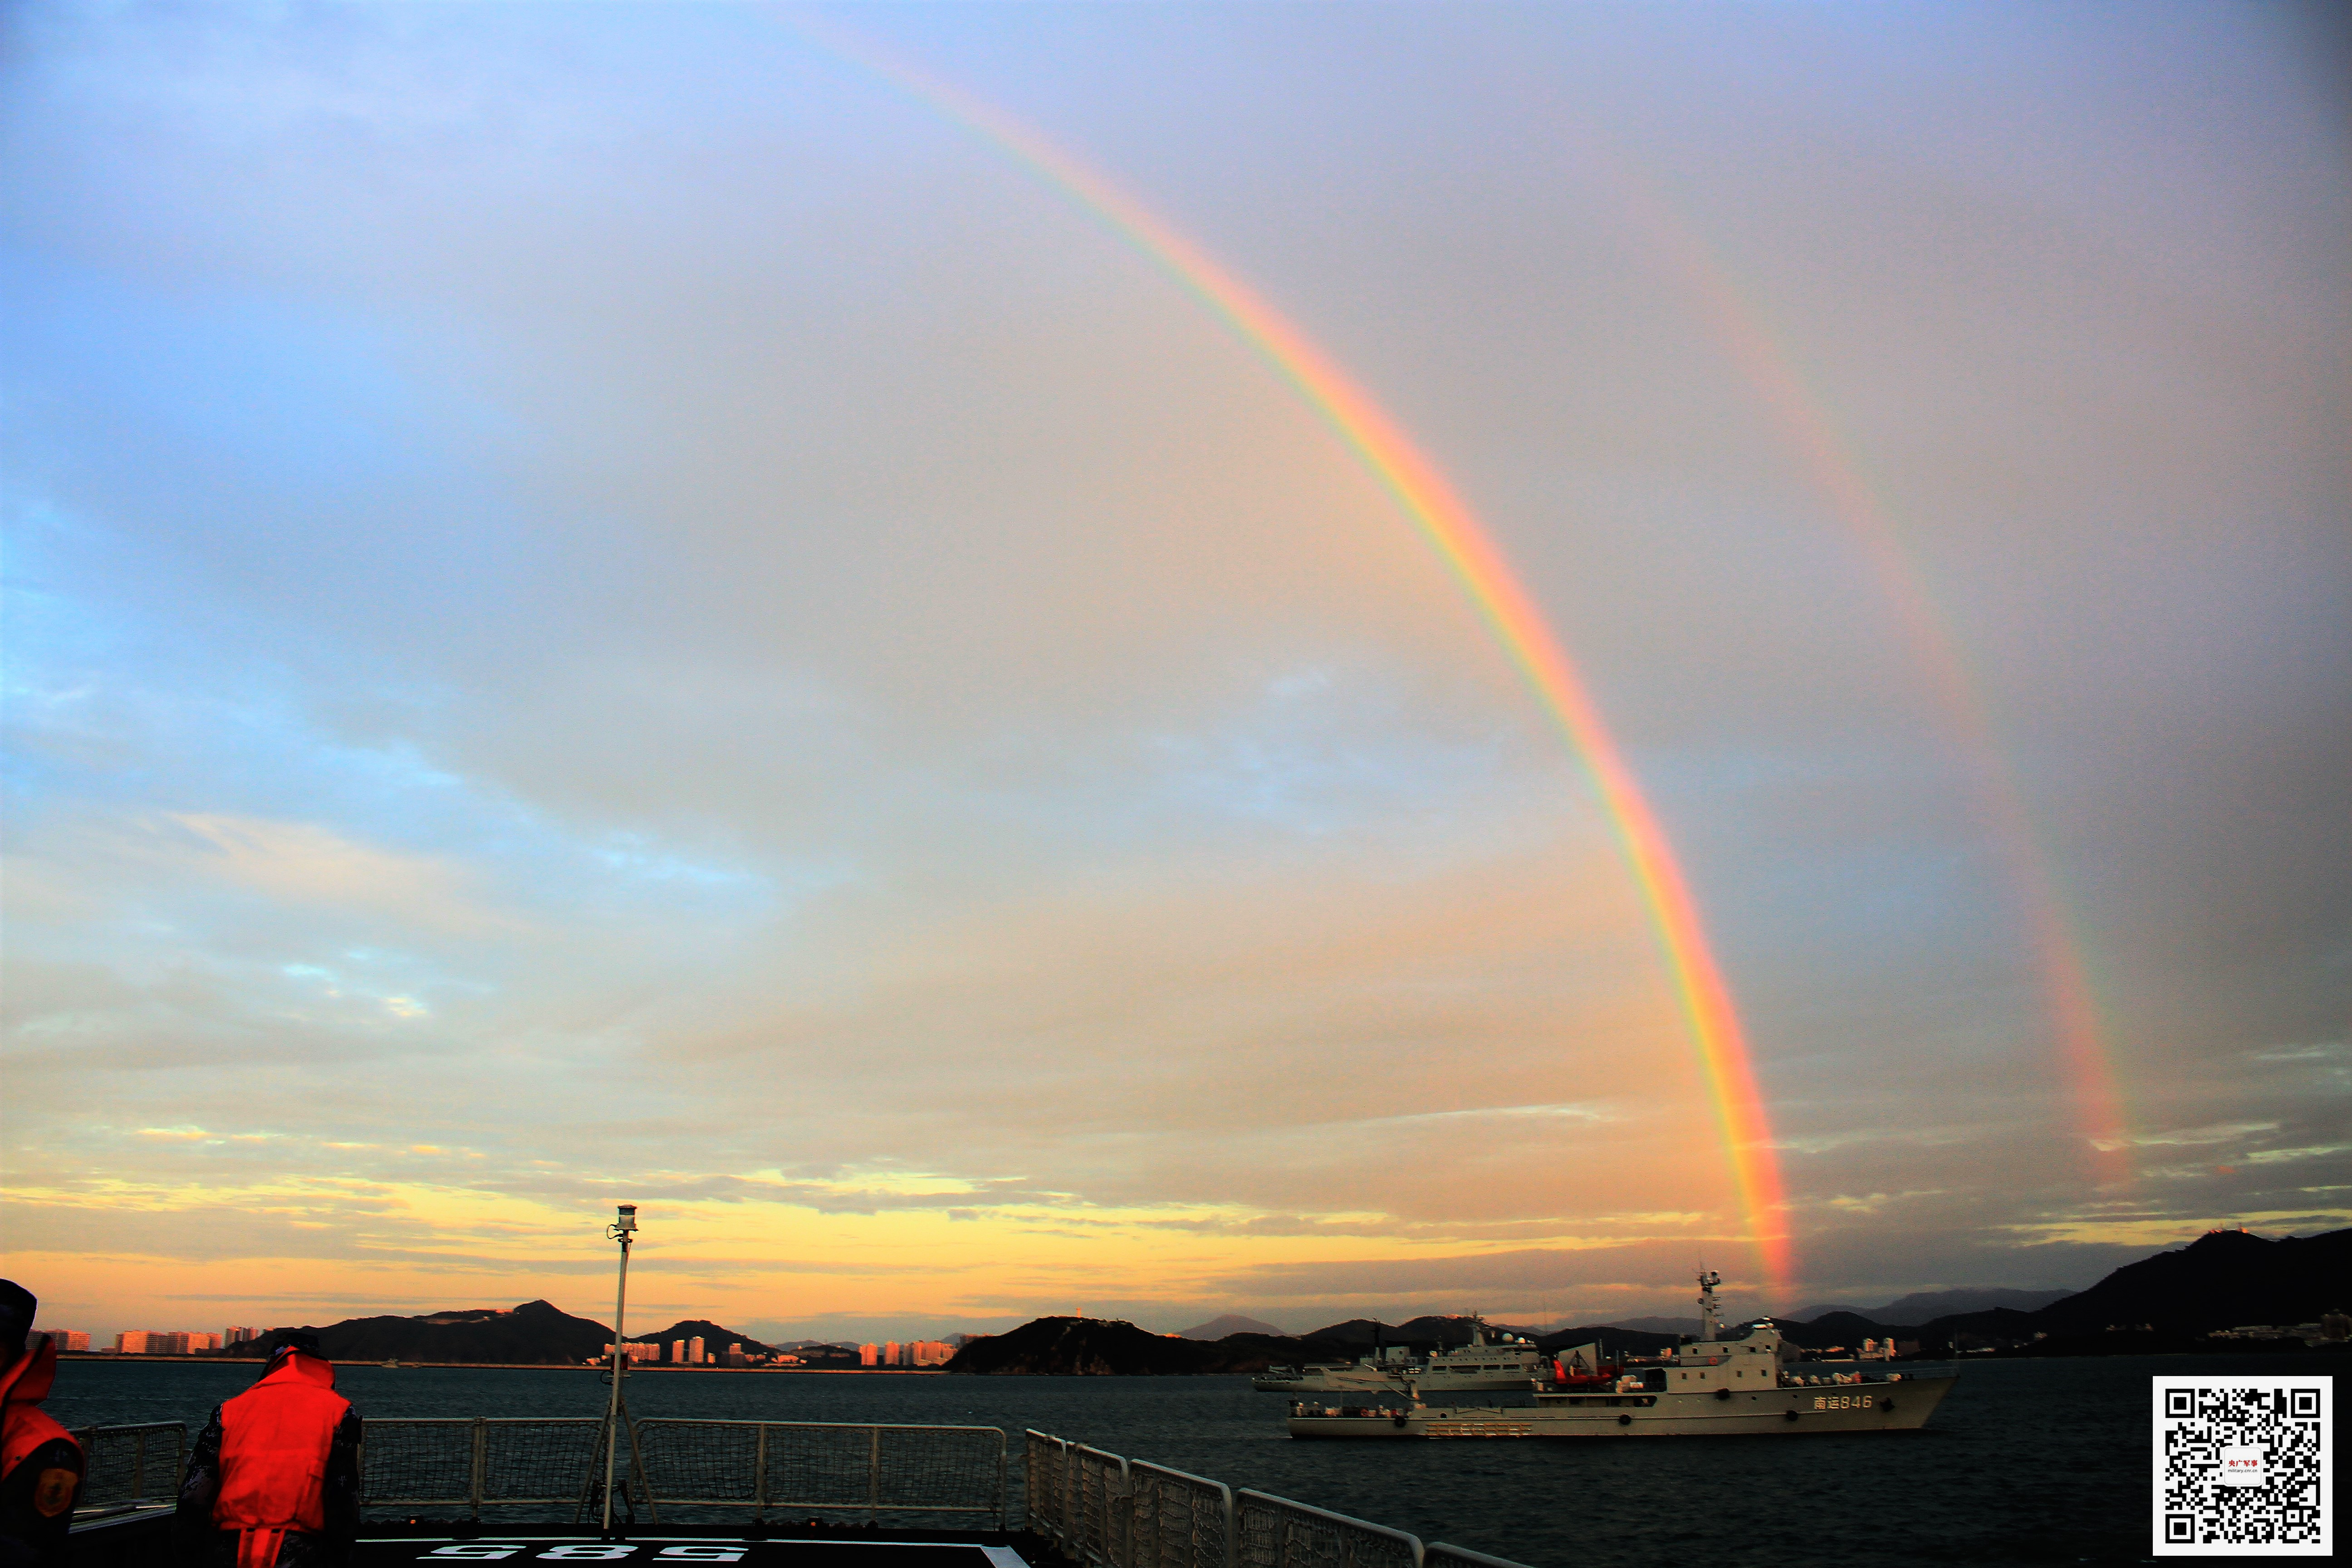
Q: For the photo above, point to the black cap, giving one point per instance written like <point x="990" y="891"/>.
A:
<point x="286" y="1340"/>
<point x="18" y="1306"/>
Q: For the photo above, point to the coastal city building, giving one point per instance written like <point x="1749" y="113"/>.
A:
<point x="162" y="1342"/>
<point x="237" y="1336"/>
<point x="694" y="1354"/>
<point x="67" y="1338"/>
<point x="678" y="1353"/>
<point x="911" y="1352"/>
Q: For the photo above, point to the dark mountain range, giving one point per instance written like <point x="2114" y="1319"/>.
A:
<point x="1422" y="1333"/>
<point x="1664" y="1325"/>
<point x="1231" y="1323"/>
<point x="2223" y="1279"/>
<point x="1614" y="1340"/>
<point x="1850" y="1329"/>
<point x="714" y="1338"/>
<point x="536" y="1333"/>
<point x="1925" y="1305"/>
<point x="1105" y="1347"/>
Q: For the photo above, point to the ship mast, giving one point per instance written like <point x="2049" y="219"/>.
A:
<point x="1707" y="1280"/>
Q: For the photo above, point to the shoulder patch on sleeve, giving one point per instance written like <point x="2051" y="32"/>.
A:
<point x="53" y="1493"/>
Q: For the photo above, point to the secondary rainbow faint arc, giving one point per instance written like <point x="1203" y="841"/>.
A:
<point x="1426" y="498"/>
<point x="1830" y="463"/>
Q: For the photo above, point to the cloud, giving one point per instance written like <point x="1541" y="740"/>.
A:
<point x="299" y="863"/>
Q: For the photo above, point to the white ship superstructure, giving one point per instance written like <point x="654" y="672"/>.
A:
<point x="1490" y="1361"/>
<point x="1707" y="1387"/>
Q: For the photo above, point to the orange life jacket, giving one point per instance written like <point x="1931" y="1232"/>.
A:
<point x="24" y="1425"/>
<point x="275" y="1438"/>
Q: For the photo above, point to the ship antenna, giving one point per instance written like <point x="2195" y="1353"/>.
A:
<point x="623" y="1229"/>
<point x="1707" y="1280"/>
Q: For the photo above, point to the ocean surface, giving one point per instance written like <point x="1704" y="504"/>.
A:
<point x="2026" y="1462"/>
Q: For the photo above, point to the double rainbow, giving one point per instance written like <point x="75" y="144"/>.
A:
<point x="1447" y="524"/>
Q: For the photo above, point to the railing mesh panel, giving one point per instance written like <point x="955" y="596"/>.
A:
<point x="797" y="1466"/>
<point x="429" y="1463"/>
<point x="1098" y="1507"/>
<point x="123" y="1465"/>
<point x="540" y="1461"/>
<point x="1278" y="1533"/>
<point x="1046" y="1465"/>
<point x="416" y="1463"/>
<point x="1177" y="1521"/>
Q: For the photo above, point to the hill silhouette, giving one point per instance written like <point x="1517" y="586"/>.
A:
<point x="1926" y="1305"/>
<point x="1103" y="1347"/>
<point x="2223" y="1279"/>
<point x="1422" y="1333"/>
<point x="1231" y="1323"/>
<point x="535" y="1333"/>
<point x="1106" y="1347"/>
<point x="1614" y="1340"/>
<point x="713" y="1337"/>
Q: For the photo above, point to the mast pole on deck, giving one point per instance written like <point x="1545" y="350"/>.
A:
<point x="624" y="1231"/>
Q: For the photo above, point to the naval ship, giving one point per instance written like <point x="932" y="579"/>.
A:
<point x="1492" y="1359"/>
<point x="1713" y="1386"/>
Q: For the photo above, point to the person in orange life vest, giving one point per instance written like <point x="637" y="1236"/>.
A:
<point x="275" y="1479"/>
<point x="41" y="1464"/>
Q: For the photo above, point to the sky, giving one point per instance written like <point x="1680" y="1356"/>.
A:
<point x="613" y="604"/>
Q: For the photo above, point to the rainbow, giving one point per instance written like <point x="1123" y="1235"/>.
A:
<point x="2085" y="1059"/>
<point x="1422" y="493"/>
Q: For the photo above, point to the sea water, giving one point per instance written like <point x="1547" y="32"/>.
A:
<point x="2041" y="1461"/>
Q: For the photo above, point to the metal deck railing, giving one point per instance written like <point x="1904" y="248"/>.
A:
<point x="1098" y="1508"/>
<point x="1178" y="1519"/>
<point x="786" y="1468"/>
<point x="544" y="1462"/>
<point x="1105" y="1512"/>
<point x="128" y="1467"/>
<point x="824" y="1466"/>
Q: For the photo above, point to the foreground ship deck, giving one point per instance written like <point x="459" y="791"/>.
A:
<point x="760" y="1494"/>
<point x="674" y="1549"/>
